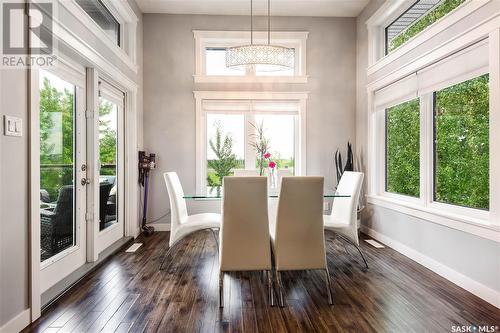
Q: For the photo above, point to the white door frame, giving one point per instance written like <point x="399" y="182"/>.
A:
<point x="130" y="186"/>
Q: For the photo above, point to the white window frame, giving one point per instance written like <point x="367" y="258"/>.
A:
<point x="392" y="9"/>
<point x="297" y="98"/>
<point x="207" y="39"/>
<point x="479" y="222"/>
<point x="126" y="17"/>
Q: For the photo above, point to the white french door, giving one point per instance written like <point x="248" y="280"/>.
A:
<point x="110" y="122"/>
<point x="79" y="171"/>
<point x="62" y="171"/>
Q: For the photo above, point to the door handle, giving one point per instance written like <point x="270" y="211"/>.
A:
<point x="85" y="181"/>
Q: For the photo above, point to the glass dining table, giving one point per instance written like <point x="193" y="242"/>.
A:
<point x="215" y="193"/>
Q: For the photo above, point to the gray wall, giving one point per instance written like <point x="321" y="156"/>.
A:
<point x="169" y="108"/>
<point x="473" y="256"/>
<point x="14" y="163"/>
<point x="14" y="241"/>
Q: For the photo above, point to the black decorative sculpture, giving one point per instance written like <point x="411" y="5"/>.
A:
<point x="349" y="165"/>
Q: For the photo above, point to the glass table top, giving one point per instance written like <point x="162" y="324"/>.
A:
<point x="216" y="193"/>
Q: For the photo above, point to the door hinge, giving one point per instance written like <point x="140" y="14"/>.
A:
<point x="89" y="114"/>
<point x="88" y="217"/>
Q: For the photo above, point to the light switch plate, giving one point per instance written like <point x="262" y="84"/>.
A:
<point x="13" y="126"/>
<point x="326" y="206"/>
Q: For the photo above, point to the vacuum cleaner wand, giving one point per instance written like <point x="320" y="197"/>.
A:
<point x="146" y="164"/>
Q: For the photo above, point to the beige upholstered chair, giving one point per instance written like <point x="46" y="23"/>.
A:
<point x="298" y="236"/>
<point x="244" y="233"/>
<point x="343" y="218"/>
<point x="182" y="224"/>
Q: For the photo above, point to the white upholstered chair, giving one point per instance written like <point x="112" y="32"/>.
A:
<point x="343" y="219"/>
<point x="182" y="224"/>
<point x="246" y="172"/>
<point x="244" y="233"/>
<point x="298" y="236"/>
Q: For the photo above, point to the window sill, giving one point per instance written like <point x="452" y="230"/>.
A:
<point x="249" y="79"/>
<point x="479" y="227"/>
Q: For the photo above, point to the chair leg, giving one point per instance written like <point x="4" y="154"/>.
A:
<point x="357" y="247"/>
<point x="221" y="289"/>
<point x="216" y="239"/>
<point x="280" y="289"/>
<point x="362" y="256"/>
<point x="328" y="286"/>
<point x="270" y="287"/>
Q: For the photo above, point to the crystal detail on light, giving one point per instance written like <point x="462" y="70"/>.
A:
<point x="278" y="57"/>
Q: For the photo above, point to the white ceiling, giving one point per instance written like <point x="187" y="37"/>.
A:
<point x="348" y="8"/>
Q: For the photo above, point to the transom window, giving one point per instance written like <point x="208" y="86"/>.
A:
<point x="103" y="17"/>
<point x="415" y="19"/>
<point x="211" y="57"/>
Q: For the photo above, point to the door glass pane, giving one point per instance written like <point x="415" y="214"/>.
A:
<point x="57" y="164"/>
<point x="108" y="156"/>
<point x="280" y="131"/>
<point x="402" y="160"/>
<point x="225" y="146"/>
<point x="461" y="151"/>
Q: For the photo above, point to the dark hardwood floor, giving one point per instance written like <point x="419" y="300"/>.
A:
<point x="129" y="294"/>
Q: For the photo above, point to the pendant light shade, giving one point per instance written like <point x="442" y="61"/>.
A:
<point x="271" y="57"/>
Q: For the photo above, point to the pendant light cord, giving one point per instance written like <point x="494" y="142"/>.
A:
<point x="251" y="22"/>
<point x="268" y="22"/>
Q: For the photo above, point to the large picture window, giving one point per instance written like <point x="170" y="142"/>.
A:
<point x="403" y="148"/>
<point x="461" y="150"/>
<point x="230" y="143"/>
<point x="230" y="126"/>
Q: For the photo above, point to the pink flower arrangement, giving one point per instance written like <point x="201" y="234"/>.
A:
<point x="272" y="164"/>
<point x="267" y="155"/>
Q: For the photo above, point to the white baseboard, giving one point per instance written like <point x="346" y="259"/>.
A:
<point x="486" y="293"/>
<point x="160" y="226"/>
<point x="18" y="323"/>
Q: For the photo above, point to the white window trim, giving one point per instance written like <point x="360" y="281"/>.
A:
<point x="204" y="39"/>
<point x="126" y="17"/>
<point x="200" y="96"/>
<point x="389" y="11"/>
<point x="481" y="223"/>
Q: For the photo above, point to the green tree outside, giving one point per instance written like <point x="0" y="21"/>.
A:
<point x="462" y="143"/>
<point x="225" y="161"/>
<point x="403" y="148"/>
<point x="57" y="158"/>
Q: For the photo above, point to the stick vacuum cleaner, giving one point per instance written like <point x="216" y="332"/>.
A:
<point x="146" y="164"/>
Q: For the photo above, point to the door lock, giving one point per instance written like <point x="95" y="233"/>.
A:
<point x="85" y="181"/>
